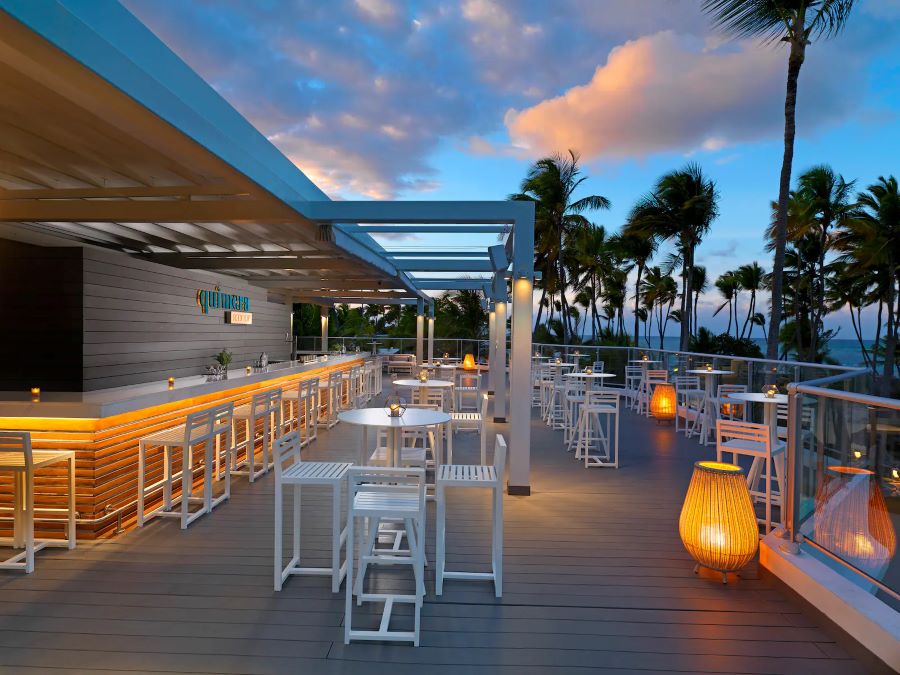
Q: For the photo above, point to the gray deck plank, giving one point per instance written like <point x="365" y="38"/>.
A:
<point x="596" y="578"/>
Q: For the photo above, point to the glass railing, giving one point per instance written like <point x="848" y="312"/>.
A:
<point x="844" y="458"/>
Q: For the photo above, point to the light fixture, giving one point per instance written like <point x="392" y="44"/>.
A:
<point x="35" y="394"/>
<point x="249" y="370"/>
<point x="708" y="367"/>
<point x="662" y="403"/>
<point x="588" y="371"/>
<point x="394" y="406"/>
<point x="469" y="362"/>
<point x="423" y="375"/>
<point x="770" y="391"/>
<point x="851" y="519"/>
<point x="558" y="360"/>
<point x="171" y="383"/>
<point x="717" y="523"/>
<point x="446" y="355"/>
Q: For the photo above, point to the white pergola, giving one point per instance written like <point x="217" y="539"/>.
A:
<point x="109" y="139"/>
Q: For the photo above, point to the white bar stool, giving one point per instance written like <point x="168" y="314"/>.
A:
<point x="598" y="427"/>
<point x="472" y="476"/>
<point x="471" y="421"/>
<point x="291" y="471"/>
<point x="265" y="407"/>
<point x="385" y="494"/>
<point x="17" y="456"/>
<point x="203" y="428"/>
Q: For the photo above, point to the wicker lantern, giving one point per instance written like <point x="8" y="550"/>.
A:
<point x="469" y="362"/>
<point x="852" y="520"/>
<point x="662" y="403"/>
<point x="717" y="524"/>
<point x="394" y="406"/>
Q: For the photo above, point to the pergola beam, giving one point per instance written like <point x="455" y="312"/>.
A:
<point x="452" y="284"/>
<point x="433" y="265"/>
<point x="427" y="229"/>
<point x="415" y="212"/>
<point x="437" y="254"/>
<point x="238" y="262"/>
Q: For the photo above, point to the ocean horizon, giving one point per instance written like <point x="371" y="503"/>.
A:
<point x="845" y="351"/>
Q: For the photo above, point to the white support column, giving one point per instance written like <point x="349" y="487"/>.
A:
<point x="431" y="334"/>
<point x="492" y="348"/>
<point x="499" y="376"/>
<point x="420" y="330"/>
<point x="520" y="358"/>
<point x="323" y="312"/>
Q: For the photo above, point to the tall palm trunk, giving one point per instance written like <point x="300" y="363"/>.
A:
<point x="890" y="344"/>
<point x="637" y="301"/>
<point x="688" y="272"/>
<point x="795" y="61"/>
<point x="541" y="306"/>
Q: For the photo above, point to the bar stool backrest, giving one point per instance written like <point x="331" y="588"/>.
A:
<point x="388" y="480"/>
<point x="598" y="366"/>
<point x="687" y="382"/>
<point x="18" y="441"/>
<point x="266" y="403"/>
<point x="287" y="452"/>
<point x="725" y="389"/>
<point x="500" y="456"/>
<point x="727" y="430"/>
<point x="335" y="377"/>
<point x="602" y="397"/>
<point x="198" y="427"/>
<point x="657" y="376"/>
<point x="309" y="387"/>
<point x="222" y="418"/>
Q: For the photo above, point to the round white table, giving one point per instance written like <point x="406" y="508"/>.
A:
<point x="770" y="409"/>
<point x="378" y="418"/>
<point x="709" y="387"/>
<point x="423" y="387"/>
<point x="591" y="378"/>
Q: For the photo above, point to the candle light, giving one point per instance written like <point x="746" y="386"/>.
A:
<point x="395" y="406"/>
<point x="588" y="371"/>
<point x="35" y="394"/>
<point x="249" y="370"/>
<point x="708" y="367"/>
<point x="171" y="383"/>
<point x="423" y="376"/>
<point x="770" y="390"/>
<point x="558" y="360"/>
<point x="446" y="355"/>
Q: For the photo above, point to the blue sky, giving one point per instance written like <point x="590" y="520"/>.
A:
<point x="453" y="100"/>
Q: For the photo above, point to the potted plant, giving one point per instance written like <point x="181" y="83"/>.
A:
<point x="224" y="358"/>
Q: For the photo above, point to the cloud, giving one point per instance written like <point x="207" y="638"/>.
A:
<point x="666" y="92"/>
<point x="728" y="250"/>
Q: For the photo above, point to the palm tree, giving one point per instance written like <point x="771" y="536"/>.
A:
<point x="699" y="285"/>
<point x="551" y="183"/>
<point x="591" y="261"/>
<point x="660" y="292"/>
<point x="796" y="22"/>
<point x="871" y="241"/>
<point x="681" y="206"/>
<point x="751" y="278"/>
<point x="639" y="250"/>
<point x="728" y="285"/>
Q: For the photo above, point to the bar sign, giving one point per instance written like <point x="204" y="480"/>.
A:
<point x="241" y="318"/>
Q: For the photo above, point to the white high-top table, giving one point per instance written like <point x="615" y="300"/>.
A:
<point x="423" y="387"/>
<point x="770" y="409"/>
<point x="379" y="419"/>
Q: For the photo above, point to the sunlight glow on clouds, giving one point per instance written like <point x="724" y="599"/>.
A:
<point x="666" y="92"/>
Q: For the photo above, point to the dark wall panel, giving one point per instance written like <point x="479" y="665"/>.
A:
<point x="142" y="323"/>
<point x="41" y="311"/>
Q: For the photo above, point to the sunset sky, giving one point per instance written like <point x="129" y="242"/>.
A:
<point x="377" y="99"/>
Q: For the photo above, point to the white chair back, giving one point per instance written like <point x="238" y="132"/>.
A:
<point x="683" y="382"/>
<point x="598" y="366"/>
<point x="747" y="432"/>
<point x="287" y="452"/>
<point x="500" y="452"/>
<point x="386" y="480"/>
<point x="18" y="442"/>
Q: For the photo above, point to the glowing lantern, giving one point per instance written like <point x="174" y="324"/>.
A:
<point x="662" y="403"/>
<point x="394" y="406"/>
<point x="171" y="383"/>
<point x="423" y="376"/>
<point x="469" y="362"/>
<point x="770" y="391"/>
<point x="717" y="524"/>
<point x="35" y="394"/>
<point x="852" y="520"/>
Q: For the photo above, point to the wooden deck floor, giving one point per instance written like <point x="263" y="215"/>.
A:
<point x="595" y="578"/>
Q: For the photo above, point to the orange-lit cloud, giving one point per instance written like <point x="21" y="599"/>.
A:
<point x="665" y="92"/>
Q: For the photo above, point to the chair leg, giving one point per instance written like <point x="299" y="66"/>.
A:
<point x="440" y="522"/>
<point x="277" y="558"/>
<point x="497" y="536"/>
<point x="336" y="566"/>
<point x="348" y="597"/>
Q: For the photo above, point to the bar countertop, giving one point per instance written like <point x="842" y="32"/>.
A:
<point x="108" y="402"/>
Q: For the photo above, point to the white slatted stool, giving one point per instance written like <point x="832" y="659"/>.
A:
<point x="17" y="456"/>
<point x="689" y="396"/>
<point x="379" y="494"/>
<point x="598" y="428"/>
<point x="263" y="410"/>
<point x="309" y="407"/>
<point x="462" y="390"/>
<point x="471" y="476"/>
<point x="598" y="366"/>
<point x="469" y="421"/>
<point x="292" y="472"/>
<point x="330" y="397"/>
<point x="290" y="399"/>
<point x="202" y="429"/>
<point x="747" y="439"/>
<point x="573" y="398"/>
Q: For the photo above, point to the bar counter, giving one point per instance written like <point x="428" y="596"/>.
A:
<point x="104" y="428"/>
